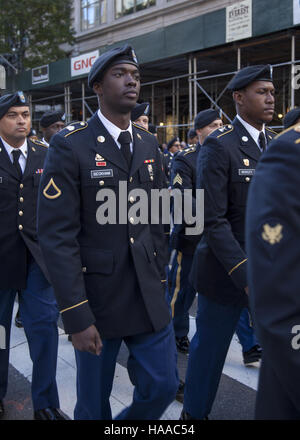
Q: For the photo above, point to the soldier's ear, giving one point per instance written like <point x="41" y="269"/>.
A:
<point x="97" y="87"/>
<point x="238" y="97"/>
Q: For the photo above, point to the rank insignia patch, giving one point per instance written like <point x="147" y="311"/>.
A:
<point x="177" y="179"/>
<point x="51" y="191"/>
<point x="272" y="234"/>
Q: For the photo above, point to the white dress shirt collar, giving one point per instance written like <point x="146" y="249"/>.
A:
<point x="9" y="148"/>
<point x="254" y="133"/>
<point x="113" y="130"/>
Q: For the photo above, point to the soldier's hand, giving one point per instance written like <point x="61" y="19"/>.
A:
<point x="88" y="340"/>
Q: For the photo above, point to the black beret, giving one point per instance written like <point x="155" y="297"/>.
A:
<point x="291" y="117"/>
<point x="205" y="118"/>
<point x="118" y="55"/>
<point x="249" y="74"/>
<point x="152" y="128"/>
<point x="139" y="110"/>
<point x="191" y="133"/>
<point x="12" y="100"/>
<point x="50" y="118"/>
<point x="172" y="141"/>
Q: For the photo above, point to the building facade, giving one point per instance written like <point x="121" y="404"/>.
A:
<point x="188" y="51"/>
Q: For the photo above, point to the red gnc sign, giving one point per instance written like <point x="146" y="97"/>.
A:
<point x="82" y="64"/>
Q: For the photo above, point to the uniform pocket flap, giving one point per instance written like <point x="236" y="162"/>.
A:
<point x="97" y="260"/>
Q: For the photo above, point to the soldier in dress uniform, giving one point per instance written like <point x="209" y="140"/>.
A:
<point x="173" y="148"/>
<point x="140" y="115"/>
<point x="22" y="267"/>
<point x="225" y="166"/>
<point x="109" y="275"/>
<point x="272" y="243"/>
<point x="192" y="137"/>
<point x="183" y="176"/>
<point x="51" y="122"/>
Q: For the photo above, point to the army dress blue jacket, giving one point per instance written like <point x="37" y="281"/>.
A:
<point x="18" y="206"/>
<point x="110" y="275"/>
<point x="183" y="176"/>
<point x="225" y="167"/>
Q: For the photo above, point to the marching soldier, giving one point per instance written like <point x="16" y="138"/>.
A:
<point x="109" y="276"/>
<point x="51" y="122"/>
<point x="183" y="174"/>
<point x="272" y="242"/>
<point x="22" y="268"/>
<point x="173" y="148"/>
<point x="140" y="115"/>
<point x="226" y="164"/>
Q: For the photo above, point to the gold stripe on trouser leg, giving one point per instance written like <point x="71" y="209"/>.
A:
<point x="177" y="287"/>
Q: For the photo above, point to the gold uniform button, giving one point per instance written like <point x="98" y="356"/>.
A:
<point x="131" y="199"/>
<point x="84" y="269"/>
<point x="151" y="177"/>
<point x="154" y="253"/>
<point x="130" y="179"/>
<point x="20" y="227"/>
<point x="21" y="213"/>
<point x="21" y="185"/>
<point x="101" y="183"/>
<point x="247" y="179"/>
<point x="131" y="240"/>
<point x="21" y="199"/>
<point x="131" y="220"/>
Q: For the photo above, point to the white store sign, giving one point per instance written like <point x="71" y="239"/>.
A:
<point x="296" y="13"/>
<point x="239" y="21"/>
<point x="82" y="64"/>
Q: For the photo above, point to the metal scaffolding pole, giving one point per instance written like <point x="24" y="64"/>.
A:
<point x="68" y="112"/>
<point x="195" y="88"/>
<point x="190" y="92"/>
<point x="83" y="100"/>
<point x="292" y="72"/>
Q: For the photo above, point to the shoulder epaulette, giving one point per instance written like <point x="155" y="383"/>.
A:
<point x="38" y="142"/>
<point x="189" y="150"/>
<point x="142" y="128"/>
<point x="270" y="129"/>
<point x="73" y="128"/>
<point x="295" y="127"/>
<point x="224" y="130"/>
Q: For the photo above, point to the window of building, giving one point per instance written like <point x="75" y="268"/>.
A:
<point x="93" y="13"/>
<point x="125" y="7"/>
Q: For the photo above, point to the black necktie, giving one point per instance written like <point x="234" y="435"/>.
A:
<point x="262" y="141"/>
<point x="125" y="139"/>
<point x="16" y="155"/>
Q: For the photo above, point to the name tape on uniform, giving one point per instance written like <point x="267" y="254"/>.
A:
<point x="96" y="174"/>
<point x="246" y="172"/>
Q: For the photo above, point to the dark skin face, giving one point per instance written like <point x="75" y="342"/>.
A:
<point x="52" y="129"/>
<point x="256" y="103"/>
<point x="118" y="92"/>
